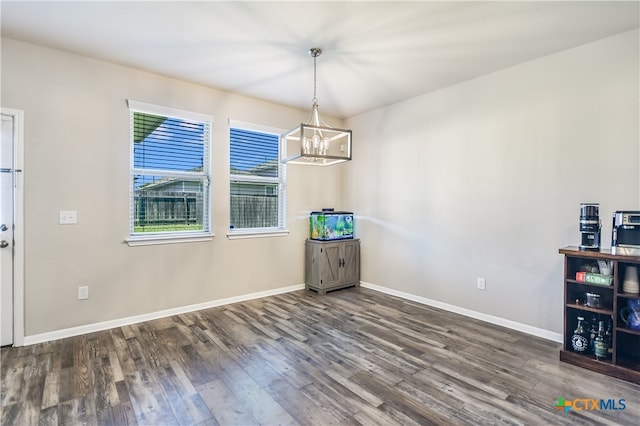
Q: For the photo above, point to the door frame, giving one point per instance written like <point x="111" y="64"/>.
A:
<point x="18" y="232"/>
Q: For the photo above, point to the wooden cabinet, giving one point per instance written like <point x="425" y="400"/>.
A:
<point x="330" y="265"/>
<point x="624" y="355"/>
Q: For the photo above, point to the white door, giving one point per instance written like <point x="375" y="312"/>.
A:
<point x="6" y="228"/>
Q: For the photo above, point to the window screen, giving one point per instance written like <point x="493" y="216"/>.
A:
<point x="169" y="173"/>
<point x="257" y="187"/>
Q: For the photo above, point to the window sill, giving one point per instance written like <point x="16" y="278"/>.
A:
<point x="239" y="235"/>
<point x="151" y="240"/>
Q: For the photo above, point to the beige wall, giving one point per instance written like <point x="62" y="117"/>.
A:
<point x="77" y="158"/>
<point x="485" y="179"/>
<point x="480" y="179"/>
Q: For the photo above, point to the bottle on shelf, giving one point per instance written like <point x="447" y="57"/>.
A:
<point x="580" y="338"/>
<point x="593" y="332"/>
<point x="608" y="337"/>
<point x="601" y="348"/>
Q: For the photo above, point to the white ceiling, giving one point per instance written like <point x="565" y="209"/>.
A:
<point x="375" y="53"/>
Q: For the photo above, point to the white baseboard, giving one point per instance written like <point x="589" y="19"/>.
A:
<point x="100" y="326"/>
<point x="105" y="325"/>
<point x="534" y="331"/>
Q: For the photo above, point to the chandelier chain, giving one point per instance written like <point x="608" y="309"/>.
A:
<point x="315" y="97"/>
<point x="315" y="52"/>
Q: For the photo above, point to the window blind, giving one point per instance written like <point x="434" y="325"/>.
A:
<point x="253" y="153"/>
<point x="169" y="174"/>
<point x="165" y="143"/>
<point x="257" y="180"/>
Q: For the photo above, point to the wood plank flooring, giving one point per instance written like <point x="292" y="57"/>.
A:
<point x="352" y="357"/>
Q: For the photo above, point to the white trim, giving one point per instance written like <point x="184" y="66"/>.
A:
<point x="157" y="239"/>
<point x="280" y="181"/>
<point x="253" y="179"/>
<point x="171" y="237"/>
<point x="18" y="233"/>
<point x="190" y="176"/>
<point x="169" y="112"/>
<point x="243" y="234"/>
<point x="255" y="127"/>
<point x="106" y="325"/>
<point x="525" y="328"/>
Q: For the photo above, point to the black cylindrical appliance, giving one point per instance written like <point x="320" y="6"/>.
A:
<point x="590" y="226"/>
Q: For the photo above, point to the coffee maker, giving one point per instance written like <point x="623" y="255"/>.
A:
<point x="625" y="233"/>
<point x="590" y="226"/>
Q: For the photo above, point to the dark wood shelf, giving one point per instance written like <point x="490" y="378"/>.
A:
<point x="598" y="286"/>
<point x="629" y="295"/>
<point x="628" y="330"/>
<point x="603" y="254"/>
<point x="632" y="364"/>
<point x="625" y="370"/>
<point x="590" y="309"/>
<point x="624" y="361"/>
<point x="588" y="359"/>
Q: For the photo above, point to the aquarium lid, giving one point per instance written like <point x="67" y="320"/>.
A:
<point x="330" y="212"/>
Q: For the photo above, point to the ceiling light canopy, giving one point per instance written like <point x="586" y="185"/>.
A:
<point x="315" y="143"/>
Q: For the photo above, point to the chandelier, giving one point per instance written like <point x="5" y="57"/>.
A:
<point x="315" y="142"/>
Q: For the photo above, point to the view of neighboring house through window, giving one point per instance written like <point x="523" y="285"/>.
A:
<point x="169" y="171"/>
<point x="257" y="177"/>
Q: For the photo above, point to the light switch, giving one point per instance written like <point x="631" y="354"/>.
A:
<point x="68" y="217"/>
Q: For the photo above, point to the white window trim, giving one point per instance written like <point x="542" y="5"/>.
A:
<point x="177" y="237"/>
<point x="244" y="234"/>
<point x="241" y="234"/>
<point x="168" y="111"/>
<point x="157" y="239"/>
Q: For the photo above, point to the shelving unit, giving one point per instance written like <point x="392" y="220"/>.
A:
<point x="331" y="265"/>
<point x="624" y="357"/>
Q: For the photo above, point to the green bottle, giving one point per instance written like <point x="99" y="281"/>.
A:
<point x="601" y="349"/>
<point x="608" y="337"/>
<point x="593" y="332"/>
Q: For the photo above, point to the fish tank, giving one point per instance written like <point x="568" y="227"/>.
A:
<point x="329" y="225"/>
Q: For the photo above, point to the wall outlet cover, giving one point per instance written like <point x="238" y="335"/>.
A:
<point x="68" y="217"/>
<point x="481" y="283"/>
<point x="83" y="292"/>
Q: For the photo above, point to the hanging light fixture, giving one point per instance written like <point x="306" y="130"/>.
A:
<point x="315" y="142"/>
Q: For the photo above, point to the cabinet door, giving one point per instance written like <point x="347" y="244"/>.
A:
<point x="330" y="261"/>
<point x="351" y="262"/>
<point x="311" y="271"/>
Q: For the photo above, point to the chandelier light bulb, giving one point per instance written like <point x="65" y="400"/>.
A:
<point x="306" y="145"/>
<point x="325" y="146"/>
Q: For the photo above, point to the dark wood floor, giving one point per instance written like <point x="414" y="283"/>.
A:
<point x="354" y="356"/>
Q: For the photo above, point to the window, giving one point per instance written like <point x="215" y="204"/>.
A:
<point x="257" y="181"/>
<point x="170" y="172"/>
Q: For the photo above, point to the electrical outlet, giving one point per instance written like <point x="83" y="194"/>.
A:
<point x="68" y="217"/>
<point x="83" y="292"/>
<point x="481" y="283"/>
